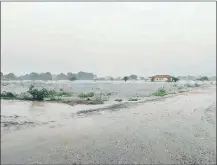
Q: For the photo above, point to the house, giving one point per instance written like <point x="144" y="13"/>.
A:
<point x="161" y="78"/>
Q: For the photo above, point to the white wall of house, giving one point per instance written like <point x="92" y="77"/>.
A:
<point x="161" y="79"/>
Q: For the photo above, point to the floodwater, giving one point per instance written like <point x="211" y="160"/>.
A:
<point x="173" y="130"/>
<point x="119" y="88"/>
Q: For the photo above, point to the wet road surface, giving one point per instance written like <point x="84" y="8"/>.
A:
<point x="179" y="129"/>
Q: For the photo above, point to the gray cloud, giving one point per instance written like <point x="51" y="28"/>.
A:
<point x="109" y="38"/>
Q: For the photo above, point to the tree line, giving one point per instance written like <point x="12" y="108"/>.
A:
<point x="48" y="76"/>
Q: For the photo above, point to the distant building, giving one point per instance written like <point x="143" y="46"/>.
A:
<point x="161" y="78"/>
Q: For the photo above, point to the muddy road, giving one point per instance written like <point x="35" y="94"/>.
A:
<point x="179" y="129"/>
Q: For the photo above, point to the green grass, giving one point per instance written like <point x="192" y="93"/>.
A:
<point x="160" y="92"/>
<point x="86" y="95"/>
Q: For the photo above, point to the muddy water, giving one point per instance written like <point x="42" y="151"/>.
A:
<point x="119" y="88"/>
<point x="179" y="129"/>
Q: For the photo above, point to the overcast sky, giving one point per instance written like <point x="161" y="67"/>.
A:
<point x="144" y="38"/>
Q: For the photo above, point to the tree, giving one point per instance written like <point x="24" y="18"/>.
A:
<point x="85" y="76"/>
<point x="10" y="76"/>
<point x="204" y="78"/>
<point x="45" y="76"/>
<point x="34" y="76"/>
<point x="126" y="78"/>
<point x="38" y="94"/>
<point x="62" y="76"/>
<point x="73" y="78"/>
<point x="133" y="77"/>
<point x="174" y="79"/>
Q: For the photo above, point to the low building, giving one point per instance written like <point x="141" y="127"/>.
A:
<point x="161" y="78"/>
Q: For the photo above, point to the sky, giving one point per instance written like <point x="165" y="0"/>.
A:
<point x="109" y="38"/>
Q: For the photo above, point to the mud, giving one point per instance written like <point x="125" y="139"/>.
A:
<point x="180" y="129"/>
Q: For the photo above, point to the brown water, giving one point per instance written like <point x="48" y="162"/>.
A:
<point x="179" y="129"/>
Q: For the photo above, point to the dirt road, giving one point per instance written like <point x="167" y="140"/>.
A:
<point x="180" y="129"/>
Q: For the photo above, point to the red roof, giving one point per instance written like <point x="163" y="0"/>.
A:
<point x="161" y="76"/>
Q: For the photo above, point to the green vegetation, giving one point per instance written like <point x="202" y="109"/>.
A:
<point x="118" y="100"/>
<point x="126" y="78"/>
<point x="36" y="94"/>
<point x="204" y="78"/>
<point x="196" y="85"/>
<point x="59" y="94"/>
<point x="8" y="95"/>
<point x="133" y="99"/>
<point x="86" y="95"/>
<point x="174" y="79"/>
<point x="182" y="91"/>
<point x="73" y="78"/>
<point x="160" y="92"/>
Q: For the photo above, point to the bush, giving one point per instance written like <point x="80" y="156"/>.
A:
<point x="133" y="99"/>
<point x="188" y="85"/>
<point x="174" y="79"/>
<point x="196" y="85"/>
<point x="86" y="95"/>
<point x="25" y="96"/>
<point x="204" y="78"/>
<point x="53" y="93"/>
<point x="160" y="92"/>
<point x="72" y="78"/>
<point x="38" y="94"/>
<point x="8" y="95"/>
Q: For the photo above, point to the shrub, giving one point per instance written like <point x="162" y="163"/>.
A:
<point x="119" y="100"/>
<point x="188" y="85"/>
<point x="86" y="95"/>
<point x="160" y="92"/>
<point x="175" y="79"/>
<point x="133" y="99"/>
<point x="204" y="78"/>
<point x="25" y="96"/>
<point x="53" y="93"/>
<point x="196" y="85"/>
<point x="72" y="78"/>
<point x="8" y="95"/>
<point x="38" y="94"/>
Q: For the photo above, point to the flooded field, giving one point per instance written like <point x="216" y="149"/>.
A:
<point x="178" y="128"/>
